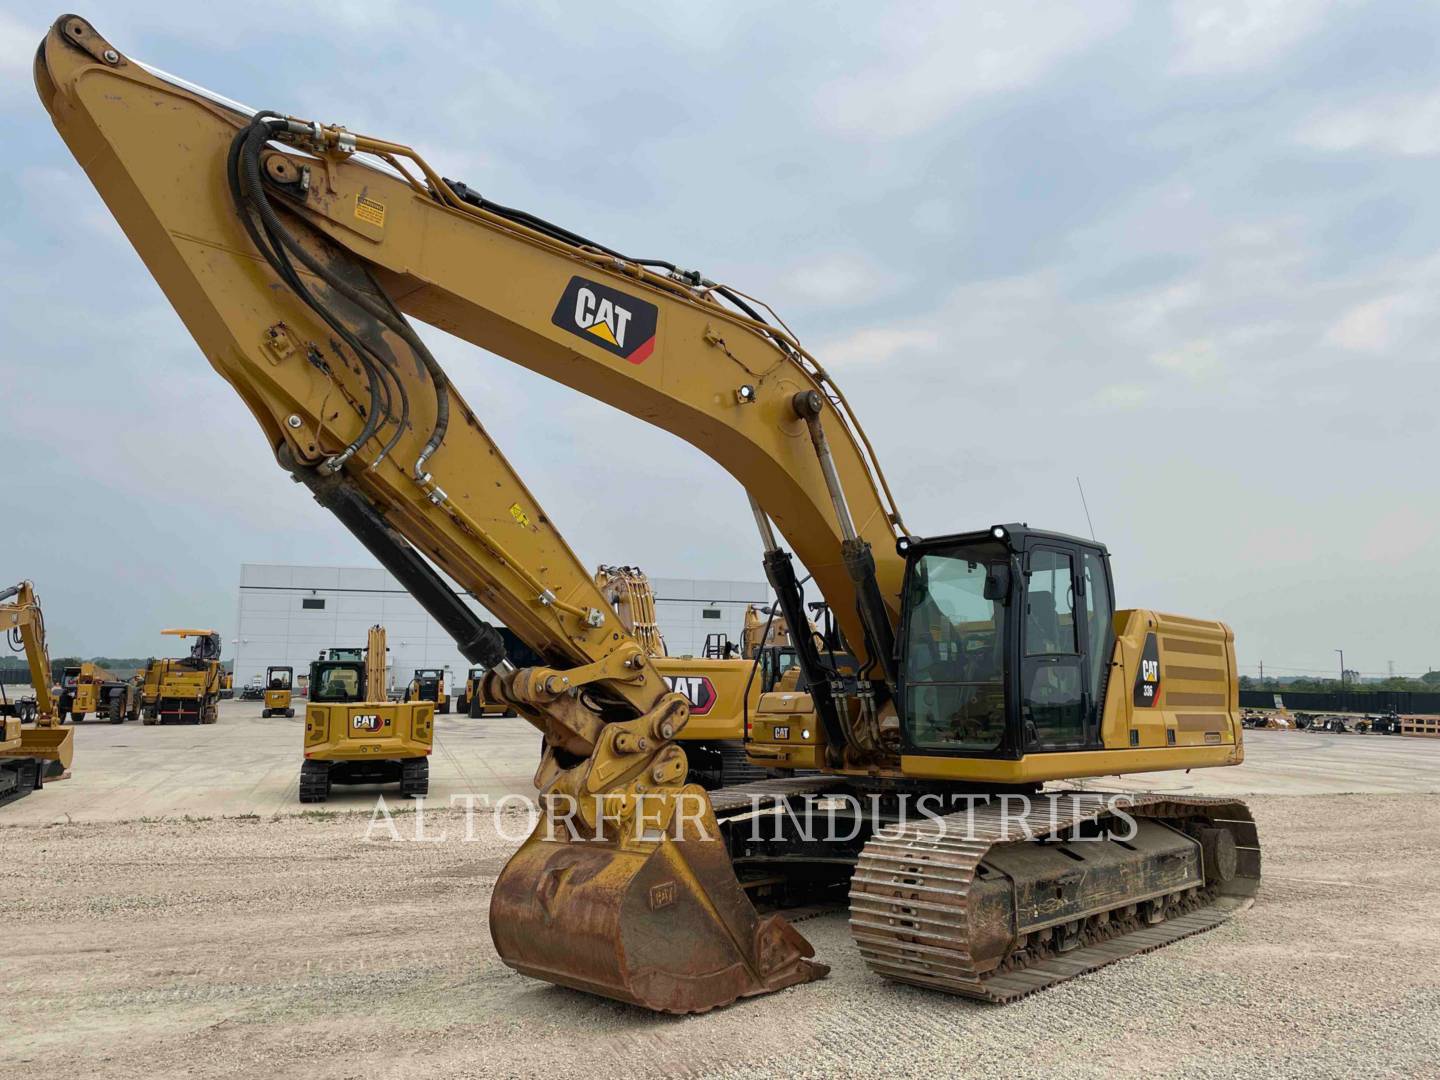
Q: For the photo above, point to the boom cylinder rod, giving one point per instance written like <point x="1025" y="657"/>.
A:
<point x="855" y="552"/>
<point x="808" y="405"/>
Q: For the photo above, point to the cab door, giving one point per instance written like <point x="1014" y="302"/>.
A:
<point x="1055" y="702"/>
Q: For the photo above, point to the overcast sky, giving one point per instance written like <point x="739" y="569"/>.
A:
<point x="1185" y="251"/>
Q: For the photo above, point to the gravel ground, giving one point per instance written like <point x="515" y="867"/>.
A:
<point x="287" y="946"/>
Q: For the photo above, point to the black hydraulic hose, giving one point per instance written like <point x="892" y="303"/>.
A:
<point x="276" y="257"/>
<point x="255" y="138"/>
<point x="559" y="232"/>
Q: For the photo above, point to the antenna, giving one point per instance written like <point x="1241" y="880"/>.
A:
<point x="1087" y="508"/>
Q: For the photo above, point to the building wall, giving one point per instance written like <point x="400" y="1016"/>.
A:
<point x="287" y="614"/>
<point x="688" y="609"/>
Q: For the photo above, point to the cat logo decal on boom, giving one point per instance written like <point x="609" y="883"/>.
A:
<point x="1147" y="680"/>
<point x="613" y="320"/>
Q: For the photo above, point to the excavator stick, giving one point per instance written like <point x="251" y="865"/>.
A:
<point x="662" y="924"/>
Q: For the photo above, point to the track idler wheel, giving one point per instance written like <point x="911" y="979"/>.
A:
<point x="1217" y="847"/>
<point x="660" y="923"/>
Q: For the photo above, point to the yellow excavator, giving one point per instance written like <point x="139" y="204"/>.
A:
<point x="279" y="687"/>
<point x="987" y="661"/>
<point x="355" y="735"/>
<point x="34" y="746"/>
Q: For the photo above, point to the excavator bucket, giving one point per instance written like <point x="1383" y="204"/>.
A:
<point x="663" y="924"/>
<point x="53" y="744"/>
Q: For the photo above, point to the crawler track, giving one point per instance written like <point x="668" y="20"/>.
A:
<point x="912" y="917"/>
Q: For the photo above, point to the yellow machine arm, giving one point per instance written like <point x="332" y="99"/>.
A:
<point x="375" y="664"/>
<point x="23" y="622"/>
<point x="44" y="738"/>
<point x="628" y="591"/>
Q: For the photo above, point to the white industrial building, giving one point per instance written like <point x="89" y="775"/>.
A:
<point x="287" y="614"/>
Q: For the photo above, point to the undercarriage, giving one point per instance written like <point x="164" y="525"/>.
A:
<point x="1010" y="894"/>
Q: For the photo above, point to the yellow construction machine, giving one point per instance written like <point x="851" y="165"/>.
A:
<point x="988" y="661"/>
<point x="355" y="735"/>
<point x="87" y="689"/>
<point x="279" y="685"/>
<point x="184" y="690"/>
<point x="34" y="746"/>
<point x="430" y="684"/>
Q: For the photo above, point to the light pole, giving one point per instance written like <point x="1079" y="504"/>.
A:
<point x="1342" y="678"/>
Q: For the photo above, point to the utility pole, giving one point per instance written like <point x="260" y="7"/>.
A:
<point x="1342" y="678"/>
<point x="1392" y="668"/>
<point x="1262" y="674"/>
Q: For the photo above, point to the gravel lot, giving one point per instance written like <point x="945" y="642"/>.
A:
<point x="284" y="946"/>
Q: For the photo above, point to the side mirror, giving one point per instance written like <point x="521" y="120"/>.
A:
<point x="997" y="583"/>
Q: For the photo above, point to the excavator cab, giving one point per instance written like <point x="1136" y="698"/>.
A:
<point x="279" y="683"/>
<point x="335" y="681"/>
<point x="1005" y="641"/>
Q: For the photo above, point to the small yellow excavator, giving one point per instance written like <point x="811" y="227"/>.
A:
<point x="34" y="746"/>
<point x="279" y="685"/>
<point x="354" y="735"/>
<point x="986" y="661"/>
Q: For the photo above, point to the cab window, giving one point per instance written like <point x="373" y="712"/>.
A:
<point x="338" y="684"/>
<point x="954" y="655"/>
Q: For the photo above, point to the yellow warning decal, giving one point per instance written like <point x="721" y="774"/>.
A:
<point x="370" y="211"/>
<point x="521" y="518"/>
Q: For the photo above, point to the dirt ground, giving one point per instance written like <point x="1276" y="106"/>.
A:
<point x="289" y="946"/>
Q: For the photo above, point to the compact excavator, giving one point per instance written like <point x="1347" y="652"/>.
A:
<point x="355" y="735"/>
<point x="989" y="661"/>
<point x="34" y="745"/>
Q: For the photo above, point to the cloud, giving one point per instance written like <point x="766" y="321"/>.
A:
<point x="1122" y="397"/>
<point x="877" y="345"/>
<point x="1406" y="125"/>
<point x="1368" y="327"/>
<point x="1228" y="36"/>
<point x="838" y="279"/>
<point x="17" y="52"/>
<point x="928" y="60"/>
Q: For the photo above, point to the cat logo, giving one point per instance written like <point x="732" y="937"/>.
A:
<point x="1147" y="680"/>
<point x="365" y="722"/>
<point x="616" y="322"/>
<point x="698" y="690"/>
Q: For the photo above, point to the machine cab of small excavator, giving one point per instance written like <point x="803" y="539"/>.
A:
<point x="337" y="681"/>
<point x="279" y="685"/>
